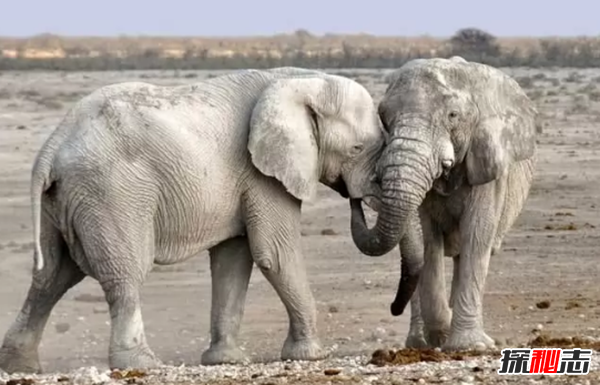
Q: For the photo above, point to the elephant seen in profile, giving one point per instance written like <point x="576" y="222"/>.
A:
<point x="454" y="175"/>
<point x="138" y="174"/>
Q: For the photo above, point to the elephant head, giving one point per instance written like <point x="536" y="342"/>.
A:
<point x="313" y="127"/>
<point x="450" y="122"/>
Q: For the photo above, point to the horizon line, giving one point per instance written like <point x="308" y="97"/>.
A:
<point x="279" y="34"/>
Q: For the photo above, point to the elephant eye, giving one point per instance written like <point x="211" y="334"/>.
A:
<point x="357" y="149"/>
<point x="453" y="115"/>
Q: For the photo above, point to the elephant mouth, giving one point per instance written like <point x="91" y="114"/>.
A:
<point x="441" y="187"/>
<point x="340" y="187"/>
<point x="449" y="182"/>
<point x="370" y="200"/>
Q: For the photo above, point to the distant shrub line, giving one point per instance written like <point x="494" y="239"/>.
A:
<point x="108" y="63"/>
<point x="472" y="44"/>
<point x="240" y="62"/>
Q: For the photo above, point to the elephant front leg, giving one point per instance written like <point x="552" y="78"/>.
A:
<point x="285" y="270"/>
<point x="416" y="336"/>
<point x="302" y="342"/>
<point x="411" y="252"/>
<point x="231" y="268"/>
<point x="477" y="233"/>
<point x="432" y="287"/>
<point x="455" y="275"/>
<point x="274" y="237"/>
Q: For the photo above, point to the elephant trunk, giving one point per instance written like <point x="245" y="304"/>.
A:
<point x="388" y="230"/>
<point x="409" y="279"/>
<point x="408" y="172"/>
<point x="411" y="262"/>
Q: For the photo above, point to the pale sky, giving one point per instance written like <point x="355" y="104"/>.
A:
<point x="266" y="17"/>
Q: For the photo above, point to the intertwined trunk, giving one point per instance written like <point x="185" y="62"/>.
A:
<point x="408" y="168"/>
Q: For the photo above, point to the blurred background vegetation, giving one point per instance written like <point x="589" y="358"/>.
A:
<point x="51" y="52"/>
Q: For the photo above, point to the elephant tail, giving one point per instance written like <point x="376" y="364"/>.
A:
<point x="40" y="181"/>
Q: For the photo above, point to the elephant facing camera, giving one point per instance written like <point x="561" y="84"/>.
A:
<point x="456" y="174"/>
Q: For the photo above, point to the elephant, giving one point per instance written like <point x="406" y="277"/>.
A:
<point x="455" y="174"/>
<point x="125" y="181"/>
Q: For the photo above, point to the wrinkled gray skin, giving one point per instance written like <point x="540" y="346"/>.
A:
<point x="461" y="153"/>
<point x="138" y="174"/>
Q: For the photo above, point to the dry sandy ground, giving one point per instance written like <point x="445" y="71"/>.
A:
<point x="551" y="253"/>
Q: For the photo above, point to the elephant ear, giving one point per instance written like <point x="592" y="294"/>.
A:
<point x="282" y="139"/>
<point x="506" y="130"/>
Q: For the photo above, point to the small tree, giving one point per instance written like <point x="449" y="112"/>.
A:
<point x="302" y="36"/>
<point x="474" y="42"/>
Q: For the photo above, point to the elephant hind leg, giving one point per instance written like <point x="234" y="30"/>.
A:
<point x="231" y="267"/>
<point x="119" y="252"/>
<point x="19" y="351"/>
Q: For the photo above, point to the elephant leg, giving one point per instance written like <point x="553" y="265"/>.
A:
<point x="411" y="249"/>
<point x="273" y="227"/>
<point x="119" y="254"/>
<point x="416" y="336"/>
<point x="288" y="278"/>
<point x="231" y="268"/>
<point x="497" y="247"/>
<point x="478" y="231"/>
<point x="19" y="351"/>
<point x="432" y="287"/>
<point x="455" y="273"/>
<point x="128" y="347"/>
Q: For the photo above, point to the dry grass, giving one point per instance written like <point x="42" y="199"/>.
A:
<point x="384" y="357"/>
<point x="407" y="356"/>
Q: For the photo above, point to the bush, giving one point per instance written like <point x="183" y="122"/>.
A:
<point x="473" y="43"/>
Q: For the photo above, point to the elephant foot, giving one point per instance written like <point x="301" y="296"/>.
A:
<point x="14" y="361"/>
<point x="416" y="341"/>
<point x="416" y="337"/>
<point x="304" y="350"/>
<point x="474" y="339"/>
<point x="137" y="358"/>
<point x="220" y="354"/>
<point x="437" y="337"/>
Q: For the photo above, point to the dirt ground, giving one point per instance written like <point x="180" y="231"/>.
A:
<point x="550" y="255"/>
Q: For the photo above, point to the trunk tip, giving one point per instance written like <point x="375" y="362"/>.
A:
<point x="397" y="308"/>
<point x="406" y="289"/>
